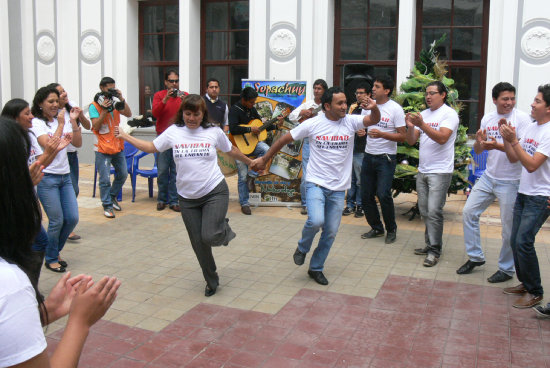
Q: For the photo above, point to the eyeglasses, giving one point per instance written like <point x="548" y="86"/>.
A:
<point x="431" y="93"/>
<point x="173" y="80"/>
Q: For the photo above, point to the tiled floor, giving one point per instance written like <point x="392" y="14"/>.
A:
<point x="382" y="308"/>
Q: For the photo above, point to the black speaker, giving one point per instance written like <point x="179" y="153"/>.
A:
<point x="355" y="74"/>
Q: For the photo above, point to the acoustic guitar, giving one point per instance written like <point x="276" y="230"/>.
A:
<point x="247" y="142"/>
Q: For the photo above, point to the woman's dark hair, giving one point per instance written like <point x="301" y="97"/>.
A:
<point x="193" y="103"/>
<point x="13" y="108"/>
<point x="40" y="96"/>
<point x="19" y="208"/>
<point x="440" y="88"/>
<point x="68" y="106"/>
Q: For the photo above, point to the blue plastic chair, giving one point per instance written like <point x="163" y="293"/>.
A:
<point x="129" y="152"/>
<point x="149" y="174"/>
<point x="477" y="168"/>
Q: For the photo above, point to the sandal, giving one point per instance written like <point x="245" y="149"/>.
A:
<point x="59" y="269"/>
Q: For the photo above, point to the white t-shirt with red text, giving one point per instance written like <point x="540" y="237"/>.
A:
<point x="331" y="149"/>
<point x="391" y="118"/>
<point x="36" y="150"/>
<point x="498" y="165"/>
<point x="536" y="138"/>
<point x="435" y="158"/>
<point x="194" y="152"/>
<point x="60" y="164"/>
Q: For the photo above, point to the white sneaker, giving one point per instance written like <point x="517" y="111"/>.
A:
<point x="430" y="260"/>
<point x="109" y="213"/>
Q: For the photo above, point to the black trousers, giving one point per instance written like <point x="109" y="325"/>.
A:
<point x="204" y="219"/>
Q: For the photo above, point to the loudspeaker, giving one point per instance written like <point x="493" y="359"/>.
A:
<point x="354" y="74"/>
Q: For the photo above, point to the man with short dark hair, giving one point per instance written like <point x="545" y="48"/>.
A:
<point x="380" y="161"/>
<point x="436" y="127"/>
<point x="217" y="109"/>
<point x="329" y="172"/>
<point x="105" y="116"/>
<point x="166" y="104"/>
<point x="305" y="111"/>
<point x="499" y="181"/>
<point x="242" y="113"/>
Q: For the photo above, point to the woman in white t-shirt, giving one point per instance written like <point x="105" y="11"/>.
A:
<point x="72" y="154"/>
<point x="23" y="312"/>
<point x="19" y="110"/>
<point x="201" y="186"/>
<point x="55" y="191"/>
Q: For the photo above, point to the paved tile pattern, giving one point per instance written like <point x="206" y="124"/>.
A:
<point x="412" y="322"/>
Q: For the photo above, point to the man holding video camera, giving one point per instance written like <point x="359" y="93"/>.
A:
<point x="166" y="104"/>
<point x="105" y="115"/>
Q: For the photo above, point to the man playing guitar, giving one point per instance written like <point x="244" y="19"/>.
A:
<point x="242" y="113"/>
<point x="303" y="112"/>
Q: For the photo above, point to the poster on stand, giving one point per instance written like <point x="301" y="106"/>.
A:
<point x="279" y="184"/>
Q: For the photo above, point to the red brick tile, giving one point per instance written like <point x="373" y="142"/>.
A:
<point x="146" y="353"/>
<point x="254" y="317"/>
<point x="494" y="329"/>
<point x="472" y="315"/>
<point x="204" y="363"/>
<point x="526" y="346"/>
<point x="493" y="341"/>
<point x="247" y="359"/>
<point x="380" y="314"/>
<point x="374" y="324"/>
<point x="279" y="362"/>
<point x="232" y="339"/>
<point x="462" y="337"/>
<point x="272" y="332"/>
<point x="119" y="347"/>
<point x="392" y="353"/>
<point x="172" y="359"/>
<point x="455" y="361"/>
<point x="491" y="364"/>
<point x="127" y="363"/>
<point x="383" y="363"/>
<point x="181" y="330"/>
<point x="292" y="351"/>
<point x="330" y="343"/>
<point x="97" y="359"/>
<point x="339" y="331"/>
<point x="192" y="347"/>
<point x="135" y="335"/>
<point x="261" y="346"/>
<point x="435" y="311"/>
<point x="399" y="340"/>
<point x="217" y="352"/>
<point x="219" y="322"/>
<point x="424" y="360"/>
<point x="497" y="355"/>
<point x="308" y="326"/>
<point x="205" y="334"/>
<point x="461" y="350"/>
<point x="324" y="357"/>
<point x="525" y="333"/>
<point x="301" y="338"/>
<point x="527" y="359"/>
<point x="346" y="360"/>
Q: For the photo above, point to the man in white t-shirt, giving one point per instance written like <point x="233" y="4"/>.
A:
<point x="331" y="137"/>
<point x="436" y="127"/>
<point x="307" y="110"/>
<point x="380" y="160"/>
<point x="531" y="149"/>
<point x="500" y="181"/>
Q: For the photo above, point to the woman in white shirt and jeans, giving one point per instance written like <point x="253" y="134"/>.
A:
<point x="202" y="190"/>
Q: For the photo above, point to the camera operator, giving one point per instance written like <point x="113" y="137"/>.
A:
<point x="166" y="104"/>
<point x="105" y="115"/>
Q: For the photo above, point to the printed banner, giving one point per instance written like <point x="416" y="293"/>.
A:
<point x="279" y="185"/>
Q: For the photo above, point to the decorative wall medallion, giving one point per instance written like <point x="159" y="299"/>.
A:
<point x="282" y="43"/>
<point x="536" y="42"/>
<point x="45" y="47"/>
<point x="90" y="48"/>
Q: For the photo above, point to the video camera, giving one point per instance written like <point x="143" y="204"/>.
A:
<point x="110" y="95"/>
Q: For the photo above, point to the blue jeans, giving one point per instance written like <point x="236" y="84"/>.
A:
<point x="376" y="179"/>
<point x="103" y="164"/>
<point x="432" y="194"/>
<point x="73" y="165"/>
<point x="484" y="192"/>
<point x="166" y="179"/>
<point x="354" y="195"/>
<point x="305" y="159"/>
<point x="57" y="196"/>
<point x="243" y="171"/>
<point x="40" y="241"/>
<point x="324" y="210"/>
<point x="530" y="213"/>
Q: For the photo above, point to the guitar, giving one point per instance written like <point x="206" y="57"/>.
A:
<point x="247" y="142"/>
<point x="313" y="112"/>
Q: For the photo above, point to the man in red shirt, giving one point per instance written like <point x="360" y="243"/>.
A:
<point x="166" y="104"/>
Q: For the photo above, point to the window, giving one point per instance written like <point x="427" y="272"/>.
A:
<point x="224" y="45"/>
<point x="158" y="45"/>
<point x="465" y="22"/>
<point x="365" y="32"/>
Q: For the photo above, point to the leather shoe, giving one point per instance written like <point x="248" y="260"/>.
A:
<point x="390" y="237"/>
<point x="246" y="210"/>
<point x="175" y="208"/>
<point x="318" y="277"/>
<point x="515" y="290"/>
<point x="372" y="234"/>
<point x="303" y="211"/>
<point x="468" y="267"/>
<point x="421" y="251"/>
<point x="161" y="206"/>
<point x="250" y="184"/>
<point x="59" y="269"/>
<point x="299" y="257"/>
<point x="499" y="276"/>
<point x="208" y="291"/>
<point x="527" y="301"/>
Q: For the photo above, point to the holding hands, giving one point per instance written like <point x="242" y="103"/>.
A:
<point x="257" y="164"/>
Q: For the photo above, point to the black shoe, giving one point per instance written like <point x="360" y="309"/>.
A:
<point x="250" y="184"/>
<point x="246" y="210"/>
<point x="208" y="291"/>
<point x="299" y="257"/>
<point x="391" y="236"/>
<point x="347" y="211"/>
<point x="359" y="212"/>
<point x="499" y="276"/>
<point x="542" y="312"/>
<point x="372" y="234"/>
<point x="116" y="206"/>
<point x="421" y="251"/>
<point x="59" y="269"/>
<point x="318" y="277"/>
<point x="468" y="267"/>
<point x="161" y="206"/>
<point x="303" y="211"/>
